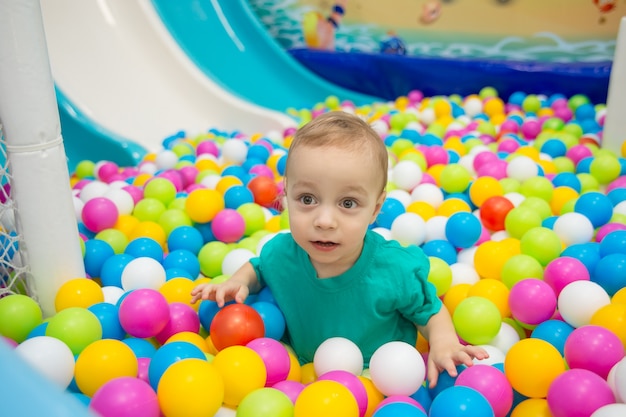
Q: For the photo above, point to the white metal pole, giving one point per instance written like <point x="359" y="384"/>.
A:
<point x="30" y="120"/>
<point x="615" y="119"/>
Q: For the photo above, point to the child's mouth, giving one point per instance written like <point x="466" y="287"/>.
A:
<point x="324" y="245"/>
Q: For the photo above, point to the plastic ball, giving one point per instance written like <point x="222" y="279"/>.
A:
<point x="399" y="409"/>
<point x="228" y="226"/>
<point x="579" y="300"/>
<point x="242" y="370"/>
<point x="19" y="315"/>
<point x="406" y="175"/>
<point x="578" y="392"/>
<point x="144" y="313"/>
<point x="532" y="301"/>
<point x="535" y="407"/>
<point x="211" y="257"/>
<point x="554" y="332"/>
<point x="338" y="353"/>
<point x="522" y="168"/>
<point x="610" y="410"/>
<point x="182" y="318"/>
<point x="492" y="384"/>
<point x="264" y="189"/>
<point x="493" y="212"/>
<point x="455" y="178"/>
<point x="290" y="388"/>
<point x="275" y="357"/>
<point x="391" y="209"/>
<point x="326" y="398"/>
<point x="125" y="397"/>
<point x="101" y="362"/>
<point x="564" y="270"/>
<point x="184" y="383"/>
<point x="456" y="401"/>
<point x="169" y="354"/>
<point x="78" y="292"/>
<point x="531" y="365"/>
<point x="596" y="206"/>
<point x="397" y="368"/>
<point x="495" y="291"/>
<point x="408" y="229"/>
<point x="203" y="204"/>
<point x="99" y="213"/>
<point x="610" y="272"/>
<point x="108" y="315"/>
<point x="573" y="228"/>
<point x="593" y="348"/>
<point x="76" y="327"/>
<point x="273" y="319"/>
<point x="463" y="229"/>
<point x="182" y="259"/>
<point x="542" y="244"/>
<point x="50" y="357"/>
<point x="477" y="320"/>
<point x="236" y="324"/>
<point x="613" y="318"/>
<point x="266" y="402"/>
<point x="97" y="252"/>
<point x="491" y="256"/>
<point x="185" y="237"/>
<point x="144" y="247"/>
<point x="519" y="267"/>
<point x="519" y="220"/>
<point x="353" y="383"/>
<point x="253" y="216"/>
<point x="143" y="273"/>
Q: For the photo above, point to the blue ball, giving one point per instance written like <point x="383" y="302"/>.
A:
<point x="614" y="242"/>
<point x="183" y="259"/>
<point x="596" y="206"/>
<point x="96" y="253"/>
<point x="441" y="249"/>
<point x="237" y="195"/>
<point x="617" y="195"/>
<point x="167" y="355"/>
<point x="554" y="148"/>
<point x="554" y="332"/>
<point x="144" y="247"/>
<point x="584" y="165"/>
<point x="111" y="272"/>
<point x="258" y="152"/>
<point x="391" y="209"/>
<point x="172" y="273"/>
<point x="457" y="401"/>
<point x="142" y="348"/>
<point x="206" y="312"/>
<point x="610" y="273"/>
<point x="587" y="253"/>
<point x="185" y="237"/>
<point x="108" y="316"/>
<point x="463" y="230"/>
<point x="273" y="319"/>
<point x="567" y="179"/>
<point x="398" y="409"/>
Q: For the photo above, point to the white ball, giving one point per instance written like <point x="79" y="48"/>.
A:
<point x="436" y="228"/>
<point x="50" y="356"/>
<point x="466" y="256"/>
<point x="506" y="337"/>
<point x="620" y="379"/>
<point x="235" y="259"/>
<point x="338" y="354"/>
<point x="610" y="379"/>
<point x="401" y="195"/>
<point x="165" y="159"/>
<point x="210" y="181"/>
<point x="463" y="273"/>
<point x="234" y="151"/>
<point x="495" y="356"/>
<point x="384" y="232"/>
<point x="522" y="168"/>
<point x="428" y="193"/>
<point x="406" y="175"/>
<point x="397" y="368"/>
<point x="78" y="208"/>
<point x="112" y="294"/>
<point x="620" y="208"/>
<point x="92" y="190"/>
<point x="473" y="106"/>
<point x="122" y="200"/>
<point x="380" y="127"/>
<point x="579" y="300"/>
<point x="610" y="410"/>
<point x="409" y="229"/>
<point x="148" y="167"/>
<point x="143" y="272"/>
<point x="515" y="198"/>
<point x="573" y="228"/>
<point x="427" y="116"/>
<point x="500" y="235"/>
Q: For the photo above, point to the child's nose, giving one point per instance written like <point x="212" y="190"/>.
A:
<point x="325" y="218"/>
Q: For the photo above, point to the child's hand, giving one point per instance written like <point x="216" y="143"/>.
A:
<point x="221" y="293"/>
<point x="446" y="358"/>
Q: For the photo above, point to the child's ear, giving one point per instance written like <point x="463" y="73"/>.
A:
<point x="379" y="205"/>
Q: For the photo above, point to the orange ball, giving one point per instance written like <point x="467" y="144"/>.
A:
<point x="264" y="190"/>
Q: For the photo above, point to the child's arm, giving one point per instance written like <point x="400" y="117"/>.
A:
<point x="242" y="283"/>
<point x="446" y="351"/>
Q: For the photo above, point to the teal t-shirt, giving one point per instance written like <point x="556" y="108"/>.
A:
<point x="378" y="300"/>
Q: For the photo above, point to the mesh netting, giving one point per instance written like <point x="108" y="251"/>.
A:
<point x="15" y="277"/>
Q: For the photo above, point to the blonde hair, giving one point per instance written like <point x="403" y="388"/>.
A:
<point x="345" y="131"/>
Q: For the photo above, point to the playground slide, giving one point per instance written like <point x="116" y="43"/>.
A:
<point x="131" y="73"/>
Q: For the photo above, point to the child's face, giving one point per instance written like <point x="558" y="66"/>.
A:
<point x="332" y="198"/>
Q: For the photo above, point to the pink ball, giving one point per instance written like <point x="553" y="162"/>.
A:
<point x="135" y="192"/>
<point x="578" y="152"/>
<point x="144" y="312"/>
<point x="483" y="158"/>
<point x="509" y="125"/>
<point x="400" y="398"/>
<point x="99" y="213"/>
<point x="532" y="301"/>
<point x="183" y="318"/>
<point x="578" y="393"/>
<point x="495" y="169"/>
<point x="594" y="348"/>
<point x="126" y="397"/>
<point x="563" y="113"/>
<point x="207" y="147"/>
<point x="353" y="383"/>
<point x="261" y="169"/>
<point x="143" y="367"/>
<point x="106" y="170"/>
<point x="619" y="182"/>
<point x="508" y="145"/>
<point x="436" y="155"/>
<point x="492" y="383"/>
<point x="290" y="388"/>
<point x="607" y="228"/>
<point x="188" y="174"/>
<point x="275" y="357"/>
<point x="228" y="226"/>
<point x="564" y="270"/>
<point x="531" y="128"/>
<point x="172" y="176"/>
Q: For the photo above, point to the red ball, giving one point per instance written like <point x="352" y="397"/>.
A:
<point x="264" y="190"/>
<point x="493" y="212"/>
<point x="236" y="324"/>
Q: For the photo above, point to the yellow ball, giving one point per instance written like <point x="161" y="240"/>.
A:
<point x="190" y="337"/>
<point x="102" y="361"/>
<point x="531" y="365"/>
<point x="203" y="204"/>
<point x="177" y="290"/>
<point x="422" y="209"/>
<point x="495" y="291"/>
<point x="242" y="371"/>
<point x="126" y="223"/>
<point x="190" y="388"/>
<point x="619" y="297"/>
<point x="295" y="370"/>
<point x="326" y="398"/>
<point x="455" y="295"/>
<point x="490" y="257"/>
<point x="151" y="230"/>
<point x="226" y="182"/>
<point x="78" y="292"/>
<point x="612" y="317"/>
<point x="560" y="197"/>
<point x="452" y="205"/>
<point x="532" y="407"/>
<point x="484" y="187"/>
<point x="374" y="396"/>
<point x="308" y="374"/>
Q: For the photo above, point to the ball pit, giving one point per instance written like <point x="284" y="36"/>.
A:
<point x="516" y="204"/>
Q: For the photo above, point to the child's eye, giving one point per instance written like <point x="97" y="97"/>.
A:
<point x="307" y="200"/>
<point x="348" y="204"/>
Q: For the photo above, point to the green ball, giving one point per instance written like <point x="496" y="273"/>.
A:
<point x="553" y="123"/>
<point x="211" y="256"/>
<point x="519" y="267"/>
<point x="521" y="219"/>
<point x="400" y="145"/>
<point x="488" y="92"/>
<point x="149" y="209"/>
<point x="577" y="100"/>
<point x="398" y="121"/>
<point x="539" y="187"/>
<point x="539" y="205"/>
<point x="19" y="315"/>
<point x="77" y="327"/>
<point x="573" y="129"/>
<point x="178" y="203"/>
<point x="115" y="238"/>
<point x="454" y="178"/>
<point x="564" y="164"/>
<point x="587" y="182"/>
<point x="440" y="275"/>
<point x="85" y="169"/>
<point x="182" y="148"/>
<point x="266" y="402"/>
<point x="172" y="218"/>
<point x="605" y="168"/>
<point x="160" y="189"/>
<point x="510" y="185"/>
<point x="253" y="217"/>
<point x="531" y="104"/>
<point x="332" y="102"/>
<point x="541" y="243"/>
<point x="477" y="320"/>
<point x="284" y="220"/>
<point x="249" y="243"/>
